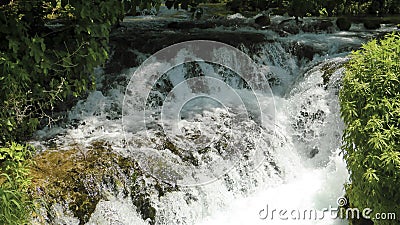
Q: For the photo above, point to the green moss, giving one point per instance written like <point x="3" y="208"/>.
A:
<point x="80" y="178"/>
<point x="76" y="177"/>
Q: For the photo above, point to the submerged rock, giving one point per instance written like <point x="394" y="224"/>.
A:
<point x="314" y="151"/>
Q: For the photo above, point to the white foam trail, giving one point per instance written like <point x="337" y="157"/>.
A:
<point x="116" y="211"/>
<point x="311" y="189"/>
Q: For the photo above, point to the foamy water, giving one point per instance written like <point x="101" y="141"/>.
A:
<point x="298" y="140"/>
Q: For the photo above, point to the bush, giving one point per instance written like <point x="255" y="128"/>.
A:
<point x="370" y="108"/>
<point x="48" y="50"/>
<point x="15" y="203"/>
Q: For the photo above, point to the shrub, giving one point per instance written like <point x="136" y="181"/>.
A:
<point x="370" y="108"/>
<point x="15" y="203"/>
<point x="48" y="50"/>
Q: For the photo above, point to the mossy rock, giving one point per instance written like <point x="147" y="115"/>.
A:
<point x="76" y="178"/>
<point x="80" y="178"/>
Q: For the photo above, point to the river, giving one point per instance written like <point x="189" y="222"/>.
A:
<point x="247" y="140"/>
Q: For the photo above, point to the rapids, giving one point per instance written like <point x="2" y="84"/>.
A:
<point x="269" y="144"/>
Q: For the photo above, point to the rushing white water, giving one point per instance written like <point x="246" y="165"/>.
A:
<point x="316" y="183"/>
<point x="302" y="167"/>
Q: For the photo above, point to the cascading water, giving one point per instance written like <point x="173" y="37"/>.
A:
<point x="301" y="167"/>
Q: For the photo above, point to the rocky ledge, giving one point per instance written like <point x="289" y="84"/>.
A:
<point x="147" y="36"/>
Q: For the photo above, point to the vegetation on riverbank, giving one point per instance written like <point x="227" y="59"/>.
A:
<point x="370" y="108"/>
<point x="48" y="51"/>
<point x="15" y="203"/>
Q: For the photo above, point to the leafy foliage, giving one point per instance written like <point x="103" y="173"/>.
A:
<point x="48" y="50"/>
<point x="370" y="107"/>
<point x="15" y="204"/>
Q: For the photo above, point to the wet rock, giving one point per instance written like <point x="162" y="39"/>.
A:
<point x="142" y="189"/>
<point x="343" y="24"/>
<point x="198" y="13"/>
<point x="77" y="179"/>
<point x="189" y="198"/>
<point x="328" y="69"/>
<point x="313" y="152"/>
<point x="233" y="23"/>
<point x="125" y="44"/>
<point x="318" y="25"/>
<point x="185" y="155"/>
<point x="262" y="20"/>
<point x="372" y="24"/>
<point x="290" y="26"/>
<point x="144" y="206"/>
<point x="303" y="51"/>
<point x="282" y="33"/>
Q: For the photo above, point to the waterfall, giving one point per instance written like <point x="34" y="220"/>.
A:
<point x="271" y="143"/>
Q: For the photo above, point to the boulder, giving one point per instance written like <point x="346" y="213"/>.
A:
<point x="263" y="20"/>
<point x="372" y="24"/>
<point x="304" y="50"/>
<point x="343" y="24"/>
